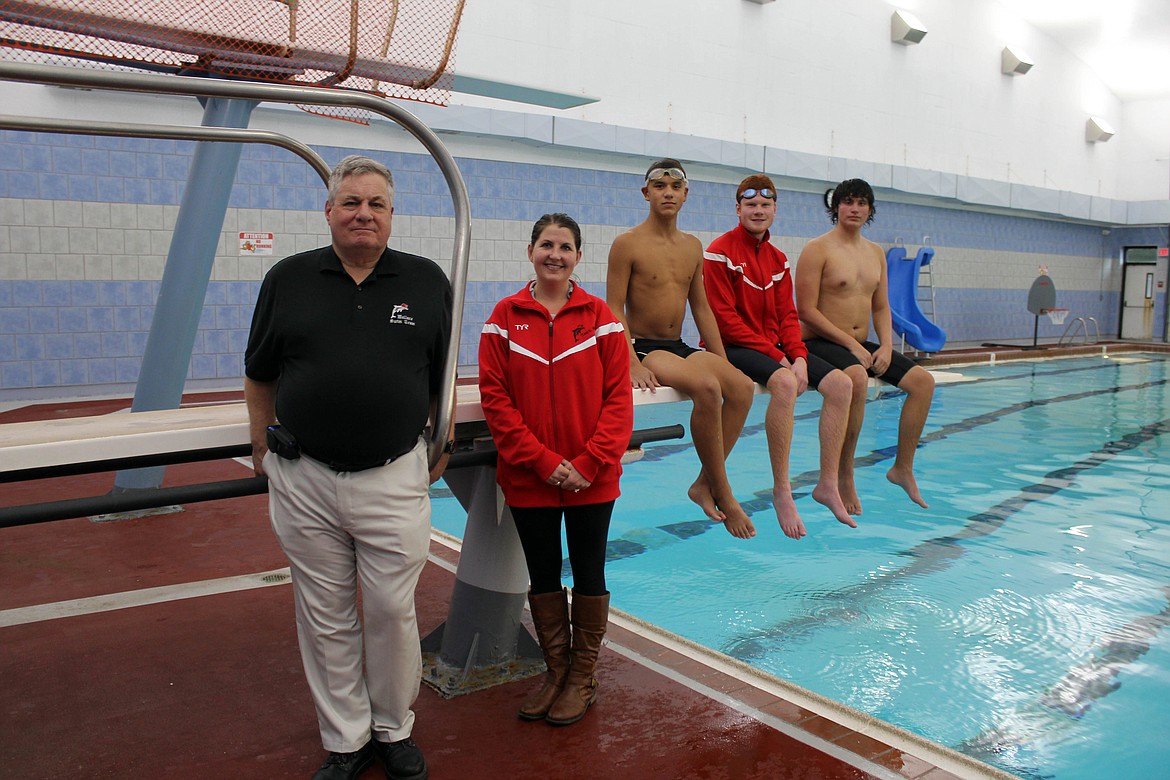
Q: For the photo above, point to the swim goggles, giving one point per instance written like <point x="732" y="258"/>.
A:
<point x="657" y="173"/>
<point x="763" y="192"/>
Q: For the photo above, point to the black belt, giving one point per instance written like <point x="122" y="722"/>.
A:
<point x="351" y="467"/>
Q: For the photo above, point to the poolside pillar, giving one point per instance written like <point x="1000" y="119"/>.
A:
<point x="482" y="643"/>
<point x="186" y="275"/>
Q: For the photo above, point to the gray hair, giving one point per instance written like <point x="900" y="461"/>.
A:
<point x="355" y="165"/>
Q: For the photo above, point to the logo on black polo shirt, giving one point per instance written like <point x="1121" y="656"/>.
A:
<point x="399" y="316"/>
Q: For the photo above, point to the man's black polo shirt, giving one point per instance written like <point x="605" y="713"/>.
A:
<point x="356" y="365"/>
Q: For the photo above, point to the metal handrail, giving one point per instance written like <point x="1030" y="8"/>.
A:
<point x="1079" y="325"/>
<point x="121" y="81"/>
<point x="173" y="132"/>
<point x="1096" y="329"/>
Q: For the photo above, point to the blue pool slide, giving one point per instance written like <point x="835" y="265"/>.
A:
<point x="909" y="321"/>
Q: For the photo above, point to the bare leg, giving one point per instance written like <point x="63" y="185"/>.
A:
<point x="778" y="427"/>
<point x="919" y="387"/>
<point x="707" y="380"/>
<point x="845" y="479"/>
<point x="700" y="490"/>
<point x="837" y="391"/>
<point x="738" y="391"/>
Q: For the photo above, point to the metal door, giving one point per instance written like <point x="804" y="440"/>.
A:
<point x="1137" y="301"/>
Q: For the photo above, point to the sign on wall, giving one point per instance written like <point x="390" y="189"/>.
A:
<point x="256" y="243"/>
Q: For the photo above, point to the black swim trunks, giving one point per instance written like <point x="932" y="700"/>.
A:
<point x="840" y="357"/>
<point x="643" y="347"/>
<point x="760" y="367"/>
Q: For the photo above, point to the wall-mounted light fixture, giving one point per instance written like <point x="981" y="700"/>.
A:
<point x="1097" y="130"/>
<point x="761" y="2"/>
<point x="906" y="29"/>
<point x="1015" y="62"/>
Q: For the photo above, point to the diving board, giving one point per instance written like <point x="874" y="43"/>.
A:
<point x="126" y="434"/>
<point x="79" y="440"/>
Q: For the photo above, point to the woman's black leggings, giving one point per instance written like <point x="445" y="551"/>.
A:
<point x="586" y="531"/>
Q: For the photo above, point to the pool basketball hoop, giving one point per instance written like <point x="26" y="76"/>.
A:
<point x="1055" y="316"/>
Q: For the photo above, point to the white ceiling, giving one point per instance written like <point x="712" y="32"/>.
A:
<point x="1126" y="42"/>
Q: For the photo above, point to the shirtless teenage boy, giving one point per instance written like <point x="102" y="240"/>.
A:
<point x="749" y="288"/>
<point x="655" y="269"/>
<point x="840" y="285"/>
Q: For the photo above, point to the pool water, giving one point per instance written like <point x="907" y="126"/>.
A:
<point x="1021" y="618"/>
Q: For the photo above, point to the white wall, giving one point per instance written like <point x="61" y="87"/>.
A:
<point x="822" y="76"/>
<point x="1145" y="158"/>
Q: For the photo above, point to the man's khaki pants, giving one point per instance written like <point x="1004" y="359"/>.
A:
<point x="338" y="530"/>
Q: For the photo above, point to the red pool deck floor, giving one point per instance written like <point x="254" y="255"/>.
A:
<point x="211" y="686"/>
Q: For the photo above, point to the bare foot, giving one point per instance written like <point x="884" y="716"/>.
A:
<point x="738" y="523"/>
<point x="827" y="496"/>
<point x="700" y="493"/>
<point x="740" y="527"/>
<point x="905" y="480"/>
<point x="849" y="496"/>
<point x="790" y="522"/>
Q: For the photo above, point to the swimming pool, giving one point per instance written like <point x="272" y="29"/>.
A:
<point x="1019" y="619"/>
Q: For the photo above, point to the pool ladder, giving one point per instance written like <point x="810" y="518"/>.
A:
<point x="1081" y="325"/>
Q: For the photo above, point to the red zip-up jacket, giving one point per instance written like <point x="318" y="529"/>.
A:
<point x="750" y="291"/>
<point x="556" y="389"/>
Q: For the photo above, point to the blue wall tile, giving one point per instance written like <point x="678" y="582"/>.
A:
<point x="101" y="371"/>
<point x="54" y="186"/>
<point x="59" y="346"/>
<point x="45" y="373"/>
<point x="37" y="158"/>
<point x="100" y="319"/>
<point x="114" y="345"/>
<point x="14" y="320"/>
<point x="15" y="374"/>
<point x="72" y="320"/>
<point x="30" y="347"/>
<point x="126" y="369"/>
<point x="44" y="320"/>
<point x="202" y="367"/>
<point x="74" y="372"/>
<point x="96" y="162"/>
<point x="27" y="293"/>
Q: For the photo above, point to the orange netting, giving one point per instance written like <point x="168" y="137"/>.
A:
<point x="397" y="48"/>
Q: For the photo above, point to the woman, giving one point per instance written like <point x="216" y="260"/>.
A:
<point x="554" y="381"/>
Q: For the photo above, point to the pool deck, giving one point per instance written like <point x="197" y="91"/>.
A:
<point x="163" y="646"/>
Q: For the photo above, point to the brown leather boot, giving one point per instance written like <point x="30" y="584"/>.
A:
<point x="590" y="616"/>
<point x="550" y="616"/>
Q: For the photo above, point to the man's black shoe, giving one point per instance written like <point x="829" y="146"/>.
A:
<point x="402" y="760"/>
<point x="346" y="766"/>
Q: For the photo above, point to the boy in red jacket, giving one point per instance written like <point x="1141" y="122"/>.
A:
<point x="749" y="288"/>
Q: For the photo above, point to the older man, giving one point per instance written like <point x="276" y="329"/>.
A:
<point x="343" y="367"/>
